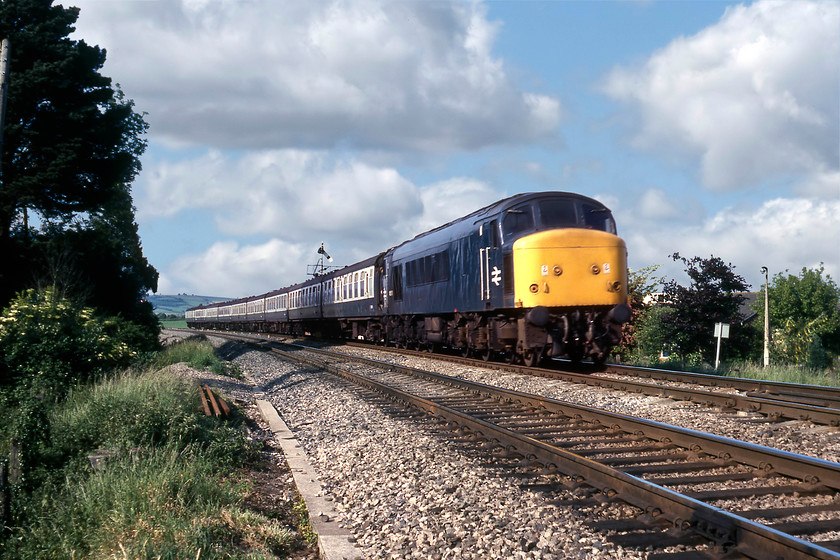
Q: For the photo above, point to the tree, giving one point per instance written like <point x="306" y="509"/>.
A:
<point x="713" y="296"/>
<point x="641" y="287"/>
<point x="70" y="139"/>
<point x="71" y="148"/>
<point x="804" y="317"/>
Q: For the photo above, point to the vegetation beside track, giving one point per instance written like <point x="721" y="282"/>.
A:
<point x="170" y="483"/>
<point x="785" y="373"/>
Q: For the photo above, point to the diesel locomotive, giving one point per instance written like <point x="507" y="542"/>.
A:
<point x="530" y="277"/>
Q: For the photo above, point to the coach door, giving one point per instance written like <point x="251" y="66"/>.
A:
<point x="490" y="264"/>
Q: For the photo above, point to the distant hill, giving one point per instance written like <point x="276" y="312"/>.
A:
<point x="177" y="305"/>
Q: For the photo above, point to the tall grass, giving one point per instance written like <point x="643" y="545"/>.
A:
<point x="127" y="410"/>
<point x="783" y="373"/>
<point x="168" y="490"/>
<point x="161" y="504"/>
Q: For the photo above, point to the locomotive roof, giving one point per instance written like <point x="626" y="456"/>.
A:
<point x="495" y="209"/>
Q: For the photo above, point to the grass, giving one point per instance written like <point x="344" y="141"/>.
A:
<point x="174" y="487"/>
<point x="786" y="374"/>
<point x="162" y="503"/>
<point x="174" y="324"/>
<point x="199" y="354"/>
<point x="751" y="370"/>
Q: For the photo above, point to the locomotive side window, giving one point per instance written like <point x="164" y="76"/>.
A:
<point x="518" y="220"/>
<point x="395" y="279"/>
<point x="507" y="267"/>
<point x="428" y="269"/>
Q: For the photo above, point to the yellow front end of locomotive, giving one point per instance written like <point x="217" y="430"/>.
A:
<point x="570" y="268"/>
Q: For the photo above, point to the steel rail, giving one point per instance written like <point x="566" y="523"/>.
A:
<point x="814" y="394"/>
<point x="767" y="459"/>
<point x="775" y="400"/>
<point x="782" y="462"/>
<point x="731" y="532"/>
<point x="772" y="399"/>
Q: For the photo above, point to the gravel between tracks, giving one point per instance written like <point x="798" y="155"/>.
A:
<point x="406" y="492"/>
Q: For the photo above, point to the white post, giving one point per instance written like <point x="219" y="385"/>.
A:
<point x="766" y="317"/>
<point x="721" y="331"/>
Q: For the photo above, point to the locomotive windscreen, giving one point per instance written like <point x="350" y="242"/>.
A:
<point x="564" y="213"/>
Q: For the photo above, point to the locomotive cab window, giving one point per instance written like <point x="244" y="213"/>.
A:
<point x="598" y="217"/>
<point x="518" y="220"/>
<point x="558" y="213"/>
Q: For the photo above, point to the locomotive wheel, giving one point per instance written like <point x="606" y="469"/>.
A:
<point x="487" y="355"/>
<point x="532" y="357"/>
<point x="466" y="351"/>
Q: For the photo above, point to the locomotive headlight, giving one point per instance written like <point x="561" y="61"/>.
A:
<point x="596" y="269"/>
<point x="614" y="286"/>
<point x="557" y="270"/>
<point x="534" y="288"/>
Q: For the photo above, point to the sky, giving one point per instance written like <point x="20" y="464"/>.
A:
<point x="709" y="128"/>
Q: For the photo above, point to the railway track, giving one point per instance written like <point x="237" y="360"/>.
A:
<point x="774" y="400"/>
<point x="689" y="484"/>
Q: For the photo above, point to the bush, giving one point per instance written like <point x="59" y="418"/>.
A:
<point x="47" y="344"/>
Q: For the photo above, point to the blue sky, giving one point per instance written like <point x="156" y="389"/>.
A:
<point x="709" y="127"/>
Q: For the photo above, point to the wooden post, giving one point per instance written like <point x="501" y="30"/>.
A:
<point x="4" y="92"/>
<point x="5" y="494"/>
<point x="15" y="475"/>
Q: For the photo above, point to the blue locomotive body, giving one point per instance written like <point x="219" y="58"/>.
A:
<point x="531" y="276"/>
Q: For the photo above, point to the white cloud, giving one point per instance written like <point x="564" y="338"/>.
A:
<point x="820" y="184"/>
<point x="754" y="96"/>
<point x="782" y="234"/>
<point x="448" y="200"/>
<point x="293" y="194"/>
<point x="229" y="270"/>
<point x="655" y="204"/>
<point x="315" y="74"/>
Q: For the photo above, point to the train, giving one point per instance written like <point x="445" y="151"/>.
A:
<point x="531" y="277"/>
